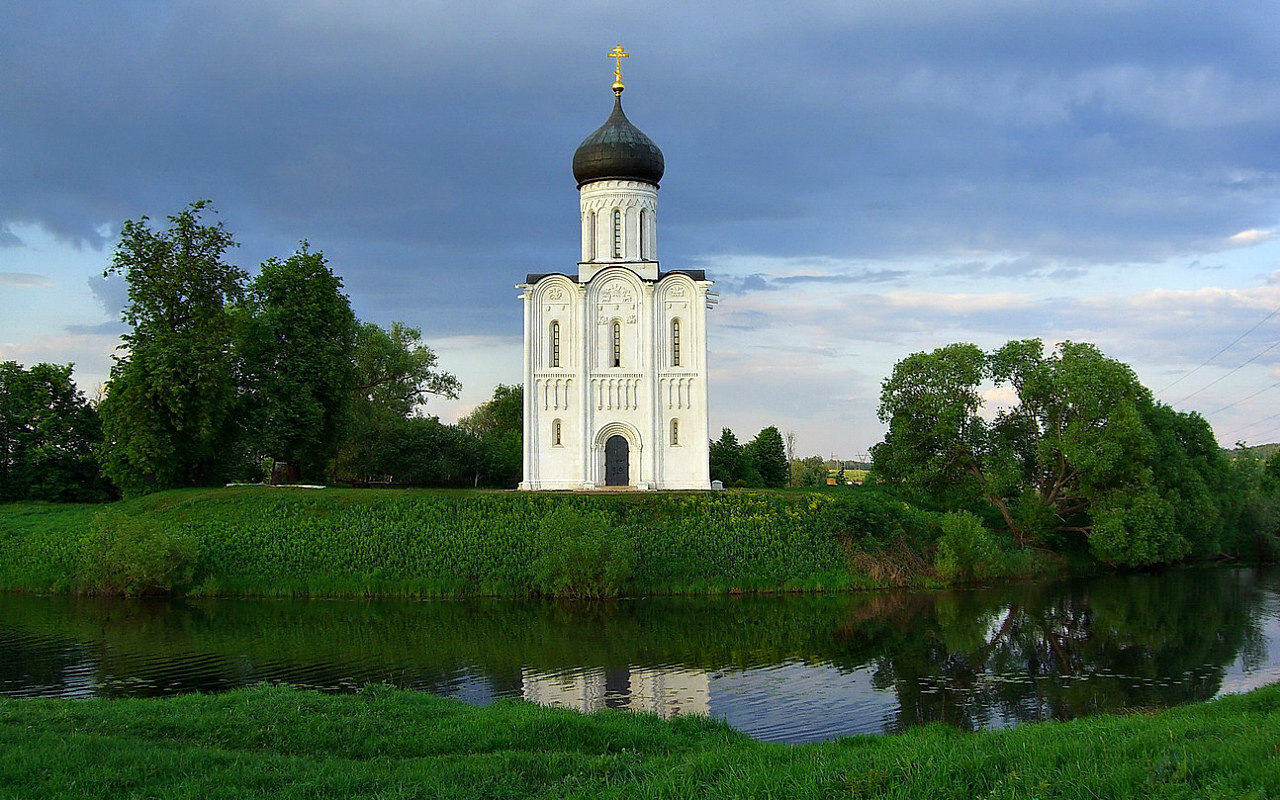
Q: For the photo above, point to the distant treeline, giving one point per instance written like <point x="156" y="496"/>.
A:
<point x="223" y="377"/>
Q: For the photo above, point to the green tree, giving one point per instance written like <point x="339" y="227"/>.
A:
<point x="395" y="374"/>
<point x="1273" y="466"/>
<point x="296" y="348"/>
<point x="498" y="428"/>
<point x="167" y="414"/>
<point x="726" y="456"/>
<point x="808" y="472"/>
<point x="769" y="456"/>
<point x="1084" y="450"/>
<point x="937" y="443"/>
<point x="49" y="435"/>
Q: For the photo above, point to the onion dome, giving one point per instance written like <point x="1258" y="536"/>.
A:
<point x="618" y="150"/>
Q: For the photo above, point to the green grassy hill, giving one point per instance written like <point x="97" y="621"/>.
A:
<point x="343" y="542"/>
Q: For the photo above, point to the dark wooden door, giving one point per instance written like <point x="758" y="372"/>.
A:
<point x="617" y="462"/>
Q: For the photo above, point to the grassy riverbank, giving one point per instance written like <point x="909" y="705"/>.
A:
<point x="287" y="743"/>
<point x="335" y="542"/>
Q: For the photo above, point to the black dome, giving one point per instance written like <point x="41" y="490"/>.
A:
<point x="618" y="150"/>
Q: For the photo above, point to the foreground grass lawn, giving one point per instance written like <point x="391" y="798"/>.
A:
<point x="385" y="743"/>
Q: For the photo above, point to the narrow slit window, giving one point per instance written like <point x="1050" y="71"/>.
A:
<point x="591" y="236"/>
<point x="555" y="433"/>
<point x="644" y="228"/>
<point x="555" y="344"/>
<point x="617" y="233"/>
<point x="617" y="344"/>
<point x="675" y="433"/>
<point x="675" y="342"/>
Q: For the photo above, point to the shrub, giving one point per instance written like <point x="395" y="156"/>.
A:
<point x="966" y="548"/>
<point x="1135" y="530"/>
<point x="124" y="555"/>
<point x="579" y="555"/>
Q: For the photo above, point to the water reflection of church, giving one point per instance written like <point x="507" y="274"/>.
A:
<point x="667" y="692"/>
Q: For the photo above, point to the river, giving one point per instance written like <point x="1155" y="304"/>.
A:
<point x="791" y="668"/>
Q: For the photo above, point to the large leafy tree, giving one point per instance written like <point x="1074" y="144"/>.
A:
<point x="296" y="348"/>
<point x="49" y="435"/>
<point x="726" y="457"/>
<point x="167" y="413"/>
<point x="769" y="456"/>
<point x="498" y="428"/>
<point x="1083" y="450"/>
<point x="395" y="373"/>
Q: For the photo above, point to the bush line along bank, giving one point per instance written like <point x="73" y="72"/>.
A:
<point x="258" y="541"/>
<point x="285" y="743"/>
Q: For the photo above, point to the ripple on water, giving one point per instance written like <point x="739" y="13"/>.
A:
<point x="782" y="669"/>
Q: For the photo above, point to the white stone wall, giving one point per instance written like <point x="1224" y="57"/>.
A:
<point x="636" y="203"/>
<point x="575" y="402"/>
<point x="640" y="398"/>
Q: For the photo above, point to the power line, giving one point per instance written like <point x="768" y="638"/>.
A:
<point x="1205" y="363"/>
<point x="1244" y="399"/>
<point x="1266" y="350"/>
<point x="1252" y="425"/>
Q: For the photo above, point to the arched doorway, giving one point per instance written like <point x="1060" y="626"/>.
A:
<point x="617" y="461"/>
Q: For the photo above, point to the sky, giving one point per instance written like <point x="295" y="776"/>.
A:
<point x="862" y="179"/>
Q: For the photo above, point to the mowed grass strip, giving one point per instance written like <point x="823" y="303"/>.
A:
<point x="281" y="742"/>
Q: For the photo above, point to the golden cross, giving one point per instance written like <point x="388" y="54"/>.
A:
<point x="617" y="54"/>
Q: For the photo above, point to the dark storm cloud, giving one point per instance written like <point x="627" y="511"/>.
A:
<point x="425" y="147"/>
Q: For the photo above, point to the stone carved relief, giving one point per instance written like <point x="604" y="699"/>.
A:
<point x="616" y="394"/>
<point x="616" y="292"/>
<point x="678" y="392"/>
<point x="555" y="392"/>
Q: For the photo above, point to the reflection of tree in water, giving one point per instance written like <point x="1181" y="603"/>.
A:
<point x="971" y="659"/>
<point x="1058" y="652"/>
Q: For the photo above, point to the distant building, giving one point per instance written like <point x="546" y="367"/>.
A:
<point x="615" y="375"/>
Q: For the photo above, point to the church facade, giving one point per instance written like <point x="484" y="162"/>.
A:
<point x="615" y="372"/>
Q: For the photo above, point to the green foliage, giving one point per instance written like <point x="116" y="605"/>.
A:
<point x="295" y="349"/>
<point x="966" y="549"/>
<point x="168" y="410"/>
<point x="49" y="435"/>
<point x="135" y="556"/>
<point x="808" y="472"/>
<point x="396" y="372"/>
<point x="497" y="428"/>
<point x="1250" y="503"/>
<point x="581" y="555"/>
<point x="759" y="464"/>
<point x="726" y="457"/>
<point x="356" y="542"/>
<point x="935" y="435"/>
<point x="769" y="456"/>
<point x="1273" y="468"/>
<point x="1084" y="450"/>
<point x="1135" y="529"/>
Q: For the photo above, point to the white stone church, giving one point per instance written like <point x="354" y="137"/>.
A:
<point x="615" y="354"/>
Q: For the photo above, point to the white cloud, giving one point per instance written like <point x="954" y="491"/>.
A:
<point x="960" y="303"/>
<point x="24" y="280"/>
<point x="1250" y="237"/>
